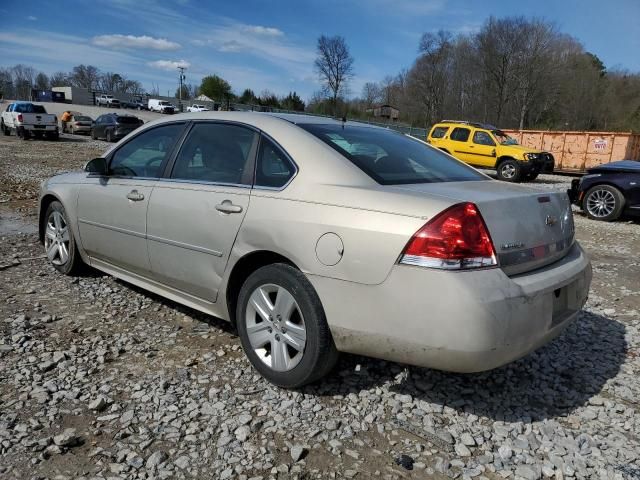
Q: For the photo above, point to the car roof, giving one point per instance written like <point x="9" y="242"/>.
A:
<point x="300" y="119"/>
<point x="259" y="119"/>
<point x="486" y="126"/>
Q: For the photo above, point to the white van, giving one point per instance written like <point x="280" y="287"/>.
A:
<point x="161" y="106"/>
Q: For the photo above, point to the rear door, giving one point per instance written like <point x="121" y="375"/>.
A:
<point x="112" y="210"/>
<point x="195" y="214"/>
<point x="437" y="135"/>
<point x="459" y="142"/>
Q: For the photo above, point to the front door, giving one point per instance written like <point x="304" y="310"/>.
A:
<point x="482" y="149"/>
<point x="195" y="214"/>
<point x="112" y="209"/>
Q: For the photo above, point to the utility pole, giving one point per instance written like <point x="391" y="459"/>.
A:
<point x="182" y="77"/>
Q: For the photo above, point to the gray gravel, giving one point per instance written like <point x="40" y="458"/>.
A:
<point x="101" y="380"/>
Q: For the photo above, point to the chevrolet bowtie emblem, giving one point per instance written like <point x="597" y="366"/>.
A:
<point x="551" y="220"/>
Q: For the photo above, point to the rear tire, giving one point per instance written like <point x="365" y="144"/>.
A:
<point x="603" y="202"/>
<point x="509" y="170"/>
<point x="59" y="243"/>
<point x="289" y="320"/>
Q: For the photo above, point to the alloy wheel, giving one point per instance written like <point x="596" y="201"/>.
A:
<point x="508" y="171"/>
<point x="275" y="327"/>
<point x="56" y="239"/>
<point x="601" y="203"/>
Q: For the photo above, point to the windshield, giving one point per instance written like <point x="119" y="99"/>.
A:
<point x="391" y="158"/>
<point x="503" y="138"/>
<point x="164" y="103"/>
<point x="82" y="118"/>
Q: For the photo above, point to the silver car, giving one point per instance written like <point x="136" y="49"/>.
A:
<point x="314" y="236"/>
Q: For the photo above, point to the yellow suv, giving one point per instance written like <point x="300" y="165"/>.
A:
<point x="485" y="146"/>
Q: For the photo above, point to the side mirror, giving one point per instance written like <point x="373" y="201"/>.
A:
<point x="97" y="166"/>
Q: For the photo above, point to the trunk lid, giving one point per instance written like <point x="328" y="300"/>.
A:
<point x="530" y="228"/>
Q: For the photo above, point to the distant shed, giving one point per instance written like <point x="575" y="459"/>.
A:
<point x="385" y="111"/>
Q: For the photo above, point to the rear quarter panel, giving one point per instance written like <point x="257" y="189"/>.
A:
<point x="372" y="240"/>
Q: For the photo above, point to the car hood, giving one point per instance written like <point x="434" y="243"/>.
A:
<point x="518" y="149"/>
<point x="631" y="166"/>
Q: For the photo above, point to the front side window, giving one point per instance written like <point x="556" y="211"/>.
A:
<point x="483" y="138"/>
<point x="144" y="154"/>
<point x="460" y="134"/>
<point x="216" y="152"/>
<point x="439" y="132"/>
<point x="273" y="168"/>
<point x="391" y="158"/>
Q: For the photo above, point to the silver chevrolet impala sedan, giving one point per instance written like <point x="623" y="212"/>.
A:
<point x="314" y="236"/>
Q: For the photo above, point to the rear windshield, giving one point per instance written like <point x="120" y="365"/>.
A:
<point x="391" y="158"/>
<point x="128" y="120"/>
<point x="82" y="118"/>
<point x="29" y="108"/>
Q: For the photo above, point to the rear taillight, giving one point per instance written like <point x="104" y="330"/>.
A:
<point x="20" y="117"/>
<point x="455" y="239"/>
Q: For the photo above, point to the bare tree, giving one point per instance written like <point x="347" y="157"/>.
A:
<point x="334" y="65"/>
<point x="84" y="76"/>
<point x="42" y="81"/>
<point x="6" y="84"/>
<point x="59" y="79"/>
<point x="371" y="94"/>
<point x="23" y="77"/>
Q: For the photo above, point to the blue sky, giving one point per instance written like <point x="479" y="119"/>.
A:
<point x="271" y="44"/>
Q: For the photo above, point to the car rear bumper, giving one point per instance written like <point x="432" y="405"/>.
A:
<point x="456" y="321"/>
<point x="38" y="128"/>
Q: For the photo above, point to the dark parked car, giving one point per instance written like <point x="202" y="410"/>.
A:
<point x="136" y="104"/>
<point x="609" y="190"/>
<point x="113" y="126"/>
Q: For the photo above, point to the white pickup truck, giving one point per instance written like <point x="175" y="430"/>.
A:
<point x="105" y="100"/>
<point x="27" y="120"/>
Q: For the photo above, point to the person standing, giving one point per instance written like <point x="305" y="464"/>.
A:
<point x="64" y="119"/>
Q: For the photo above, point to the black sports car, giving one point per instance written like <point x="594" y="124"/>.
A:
<point x="607" y="191"/>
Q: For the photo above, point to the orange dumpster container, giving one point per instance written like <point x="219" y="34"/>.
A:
<point x="575" y="152"/>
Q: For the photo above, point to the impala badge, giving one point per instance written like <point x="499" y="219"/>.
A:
<point x="551" y="220"/>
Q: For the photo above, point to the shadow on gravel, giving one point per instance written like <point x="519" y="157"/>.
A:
<point x="550" y="382"/>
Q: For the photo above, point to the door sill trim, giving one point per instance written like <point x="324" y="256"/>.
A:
<point x="197" y="303"/>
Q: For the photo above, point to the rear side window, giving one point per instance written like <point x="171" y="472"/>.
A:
<point x="439" y="132"/>
<point x="144" y="154"/>
<point x="391" y="158"/>
<point x="273" y="169"/>
<point x="127" y="120"/>
<point x="460" y="134"/>
<point x="216" y="152"/>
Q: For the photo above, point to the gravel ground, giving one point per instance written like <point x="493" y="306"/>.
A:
<point x="99" y="379"/>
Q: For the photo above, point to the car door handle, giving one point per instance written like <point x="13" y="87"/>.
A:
<point x="135" y="196"/>
<point x="228" y="207"/>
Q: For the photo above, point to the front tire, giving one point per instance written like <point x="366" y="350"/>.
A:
<point x="603" y="202"/>
<point x="59" y="243"/>
<point x="109" y="139"/>
<point x="509" y="170"/>
<point x="6" y="130"/>
<point x="282" y="327"/>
